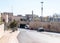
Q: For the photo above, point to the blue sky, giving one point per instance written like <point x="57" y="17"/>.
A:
<point x="26" y="6"/>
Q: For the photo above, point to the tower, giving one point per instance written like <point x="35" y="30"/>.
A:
<point x="32" y="15"/>
<point x="41" y="10"/>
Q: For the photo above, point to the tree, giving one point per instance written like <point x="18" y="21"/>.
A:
<point x="13" y="25"/>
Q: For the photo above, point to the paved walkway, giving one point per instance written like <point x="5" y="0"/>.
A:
<point x="9" y="37"/>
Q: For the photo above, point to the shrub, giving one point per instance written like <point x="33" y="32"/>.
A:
<point x="13" y="25"/>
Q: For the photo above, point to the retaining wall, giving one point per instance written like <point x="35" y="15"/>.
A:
<point x="1" y="30"/>
<point x="48" y="26"/>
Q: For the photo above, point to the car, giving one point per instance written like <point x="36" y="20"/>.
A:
<point x="27" y="27"/>
<point x="40" y="29"/>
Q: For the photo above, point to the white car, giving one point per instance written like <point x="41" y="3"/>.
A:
<point x="27" y="27"/>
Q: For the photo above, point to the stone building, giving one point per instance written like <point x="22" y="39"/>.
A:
<point x="6" y="16"/>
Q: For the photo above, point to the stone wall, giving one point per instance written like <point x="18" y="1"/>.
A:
<point x="48" y="26"/>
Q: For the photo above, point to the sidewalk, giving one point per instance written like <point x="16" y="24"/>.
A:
<point x="9" y="37"/>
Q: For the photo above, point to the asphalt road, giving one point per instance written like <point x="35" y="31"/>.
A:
<point x="29" y="36"/>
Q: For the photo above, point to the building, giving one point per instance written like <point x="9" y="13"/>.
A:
<point x="6" y="16"/>
<point x="29" y="17"/>
<point x="0" y="17"/>
<point x="18" y="18"/>
<point x="56" y="17"/>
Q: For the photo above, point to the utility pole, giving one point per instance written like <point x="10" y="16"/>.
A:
<point x="41" y="11"/>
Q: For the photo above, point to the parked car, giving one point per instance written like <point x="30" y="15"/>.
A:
<point x="27" y="27"/>
<point x="40" y="29"/>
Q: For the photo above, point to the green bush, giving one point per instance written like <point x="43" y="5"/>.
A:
<point x="13" y="25"/>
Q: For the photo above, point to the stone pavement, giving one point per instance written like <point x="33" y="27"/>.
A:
<point x="9" y="37"/>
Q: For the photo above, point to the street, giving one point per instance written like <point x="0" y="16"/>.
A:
<point x="31" y="36"/>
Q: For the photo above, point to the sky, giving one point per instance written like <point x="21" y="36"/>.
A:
<point x="23" y="7"/>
